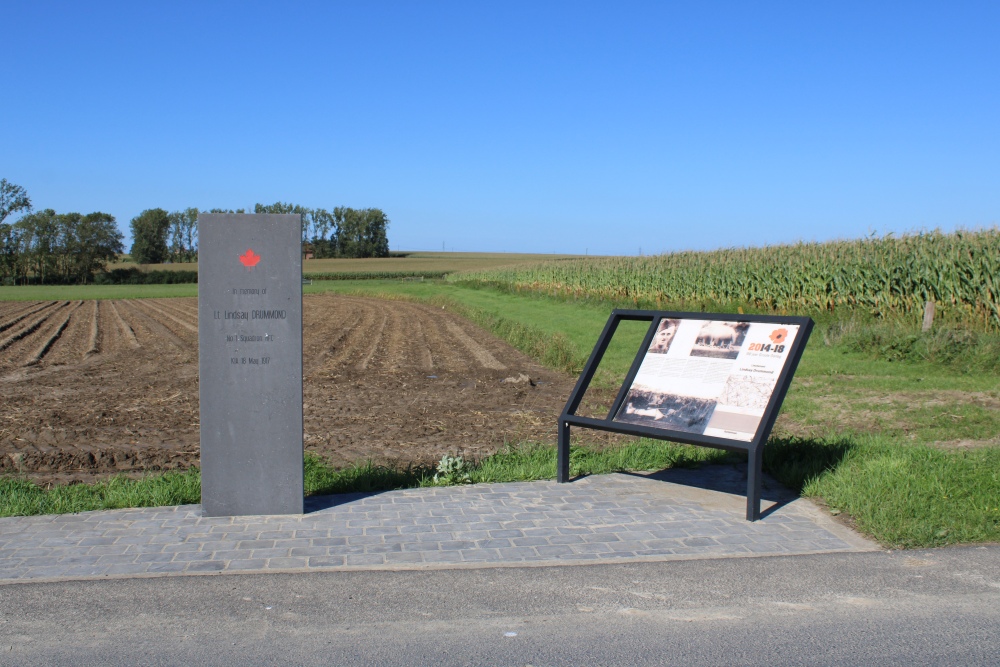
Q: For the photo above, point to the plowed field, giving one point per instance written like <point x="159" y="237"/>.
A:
<point x="97" y="387"/>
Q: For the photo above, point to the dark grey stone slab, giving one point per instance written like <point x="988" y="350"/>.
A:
<point x="250" y="364"/>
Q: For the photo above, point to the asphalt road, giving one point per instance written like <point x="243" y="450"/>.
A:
<point x="939" y="607"/>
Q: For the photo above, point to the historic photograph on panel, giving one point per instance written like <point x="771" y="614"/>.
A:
<point x="664" y="335"/>
<point x="720" y="340"/>
<point x="744" y="391"/>
<point x="667" y="411"/>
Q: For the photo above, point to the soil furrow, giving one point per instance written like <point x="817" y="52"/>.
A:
<point x="149" y="306"/>
<point x="446" y="355"/>
<point x="182" y="315"/>
<point x="126" y="331"/>
<point x="479" y="353"/>
<point x="36" y="358"/>
<point x="29" y="328"/>
<point x="415" y="343"/>
<point x="154" y="330"/>
<point x="346" y="345"/>
<point x="93" y="343"/>
<point x="376" y="341"/>
<point x="318" y="350"/>
<point x="22" y="316"/>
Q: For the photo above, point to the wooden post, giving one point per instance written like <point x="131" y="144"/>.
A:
<point x="928" y="316"/>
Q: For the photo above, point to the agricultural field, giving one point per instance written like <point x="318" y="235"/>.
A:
<point x="397" y="264"/>
<point x="882" y="278"/>
<point x="104" y="386"/>
<point x="893" y="429"/>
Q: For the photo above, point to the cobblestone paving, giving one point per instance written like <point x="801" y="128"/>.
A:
<point x="596" y="519"/>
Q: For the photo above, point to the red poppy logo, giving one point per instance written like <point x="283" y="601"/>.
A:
<point x="778" y="336"/>
<point x="249" y="259"/>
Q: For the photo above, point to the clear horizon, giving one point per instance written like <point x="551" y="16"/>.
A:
<point x="551" y="128"/>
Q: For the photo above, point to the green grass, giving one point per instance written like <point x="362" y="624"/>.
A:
<point x="85" y="292"/>
<point x="19" y="497"/>
<point x="905" y="497"/>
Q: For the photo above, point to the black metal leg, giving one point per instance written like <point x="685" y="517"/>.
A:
<point x="754" y="471"/>
<point x="562" y="462"/>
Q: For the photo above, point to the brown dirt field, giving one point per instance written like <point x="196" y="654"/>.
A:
<point x="88" y="389"/>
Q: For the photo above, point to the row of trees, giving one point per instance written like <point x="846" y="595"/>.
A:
<point x="50" y="246"/>
<point x="159" y="236"/>
<point x="45" y="246"/>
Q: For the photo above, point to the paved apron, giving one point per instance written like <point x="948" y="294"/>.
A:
<point x="677" y="514"/>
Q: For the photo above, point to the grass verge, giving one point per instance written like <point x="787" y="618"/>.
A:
<point x="911" y="497"/>
<point x="904" y="497"/>
<point x="20" y="497"/>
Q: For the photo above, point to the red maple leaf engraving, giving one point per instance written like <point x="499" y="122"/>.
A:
<point x="249" y="259"/>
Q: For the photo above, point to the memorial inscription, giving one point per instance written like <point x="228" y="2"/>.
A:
<point x="250" y="364"/>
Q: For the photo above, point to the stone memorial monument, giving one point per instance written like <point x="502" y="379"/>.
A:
<point x="250" y="363"/>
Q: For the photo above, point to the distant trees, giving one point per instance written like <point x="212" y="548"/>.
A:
<point x="13" y="199"/>
<point x="60" y="248"/>
<point x="159" y="236"/>
<point x="183" y="235"/>
<point x="361" y="232"/>
<point x="46" y="246"/>
<point x="149" y="236"/>
<point x="346" y="232"/>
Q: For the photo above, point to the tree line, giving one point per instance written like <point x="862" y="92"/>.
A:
<point x="159" y="236"/>
<point x="48" y="247"/>
<point x="53" y="247"/>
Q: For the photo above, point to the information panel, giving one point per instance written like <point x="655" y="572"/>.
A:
<point x="250" y="363"/>
<point x="710" y="377"/>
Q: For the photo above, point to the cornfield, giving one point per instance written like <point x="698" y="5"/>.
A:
<point x="888" y="276"/>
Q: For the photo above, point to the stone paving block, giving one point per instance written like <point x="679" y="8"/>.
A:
<point x="699" y="542"/>
<point x="205" y="566"/>
<point x="529" y="541"/>
<point x="240" y="565"/>
<point x="191" y="556"/>
<point x="154" y="558"/>
<point x="383" y="548"/>
<point x="287" y="563"/>
<point x="127" y="568"/>
<point x="255" y="544"/>
<point x="310" y="533"/>
<point x="493" y="544"/>
<point x="270" y="553"/>
<point x="404" y="557"/>
<point x="506" y="533"/>
<point x="114" y="559"/>
<point x="364" y="559"/>
<point x="554" y="551"/>
<point x="518" y="553"/>
<point x="472" y="555"/>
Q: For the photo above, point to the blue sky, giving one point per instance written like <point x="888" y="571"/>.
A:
<point x="534" y="127"/>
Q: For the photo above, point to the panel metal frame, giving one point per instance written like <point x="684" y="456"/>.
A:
<point x="753" y="448"/>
